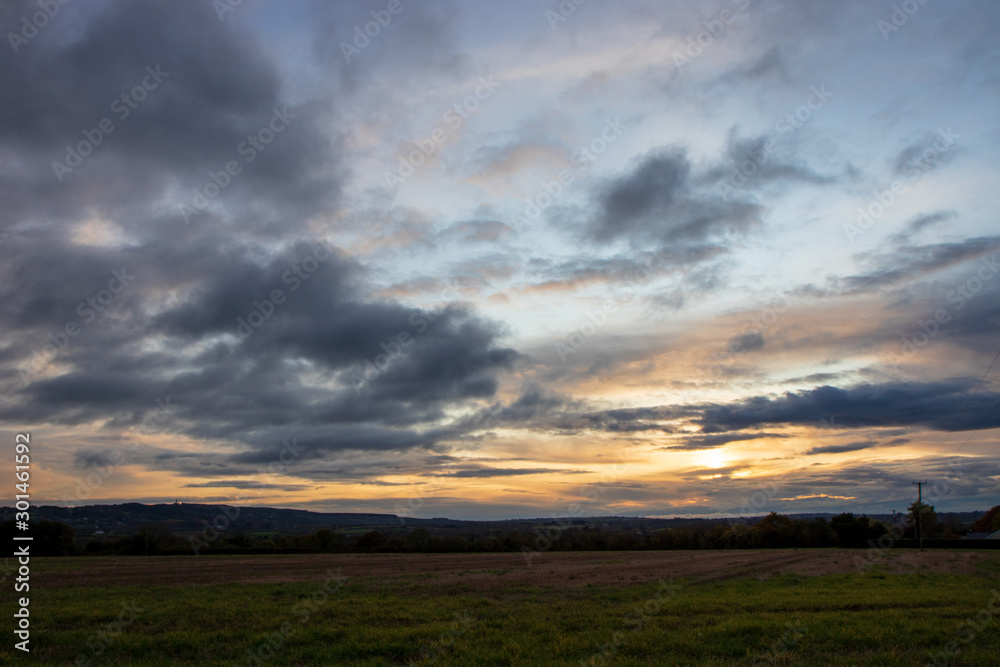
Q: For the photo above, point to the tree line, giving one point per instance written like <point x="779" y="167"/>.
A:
<point x="772" y="531"/>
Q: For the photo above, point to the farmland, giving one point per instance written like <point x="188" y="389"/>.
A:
<point x="628" y="608"/>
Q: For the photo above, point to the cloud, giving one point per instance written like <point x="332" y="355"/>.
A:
<point x="918" y="156"/>
<point x="716" y="440"/>
<point x="486" y="471"/>
<point x="217" y="88"/>
<point x="420" y="345"/>
<point x="754" y="162"/>
<point x="746" y="342"/>
<point x="422" y="38"/>
<point x="814" y="378"/>
<point x="306" y="366"/>
<point x="928" y="219"/>
<point x="484" y="231"/>
<point x="656" y="201"/>
<point x="932" y="405"/>
<point x="246" y="484"/>
<point x="910" y="262"/>
<point x="929" y="405"/>
<point x="855" y="446"/>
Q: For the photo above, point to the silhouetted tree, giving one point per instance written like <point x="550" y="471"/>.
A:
<point x="854" y="531"/>
<point x="418" y="540"/>
<point x="330" y="540"/>
<point x="150" y="539"/>
<point x="927" y="518"/>
<point x="49" y="538"/>
<point x="371" y="541"/>
<point x="776" y="530"/>
<point x="989" y="522"/>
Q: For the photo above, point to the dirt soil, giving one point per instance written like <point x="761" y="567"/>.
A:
<point x="492" y="572"/>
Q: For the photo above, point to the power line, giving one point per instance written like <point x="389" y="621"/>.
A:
<point x="981" y="424"/>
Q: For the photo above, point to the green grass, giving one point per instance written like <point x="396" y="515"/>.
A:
<point x="870" y="619"/>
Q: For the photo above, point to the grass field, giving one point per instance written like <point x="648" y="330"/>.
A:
<point x="616" y="608"/>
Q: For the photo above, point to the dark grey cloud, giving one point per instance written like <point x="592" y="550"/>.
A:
<point x="689" y="268"/>
<point x="329" y="365"/>
<point x="544" y="411"/>
<point x="855" y="446"/>
<point x="86" y="457"/>
<point x="840" y="449"/>
<point x="657" y="201"/>
<point x="715" y="440"/>
<point x="932" y="405"/>
<point x="922" y="155"/>
<point x="751" y="163"/>
<point x="422" y="38"/>
<point x="929" y="405"/>
<point x="909" y="262"/>
<point x="486" y="471"/>
<point x="748" y="342"/>
<point x="246" y="484"/>
<point x="919" y="223"/>
<point x="926" y="220"/>
<point x="814" y="378"/>
<point x="215" y="88"/>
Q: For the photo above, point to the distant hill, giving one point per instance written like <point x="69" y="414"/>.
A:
<point x="183" y="518"/>
<point x="190" y="518"/>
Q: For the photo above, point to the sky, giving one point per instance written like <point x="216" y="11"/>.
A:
<point x="501" y="260"/>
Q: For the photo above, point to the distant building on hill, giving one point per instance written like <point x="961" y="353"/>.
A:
<point x="983" y="536"/>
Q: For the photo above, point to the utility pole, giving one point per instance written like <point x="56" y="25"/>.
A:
<point x="920" y="510"/>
